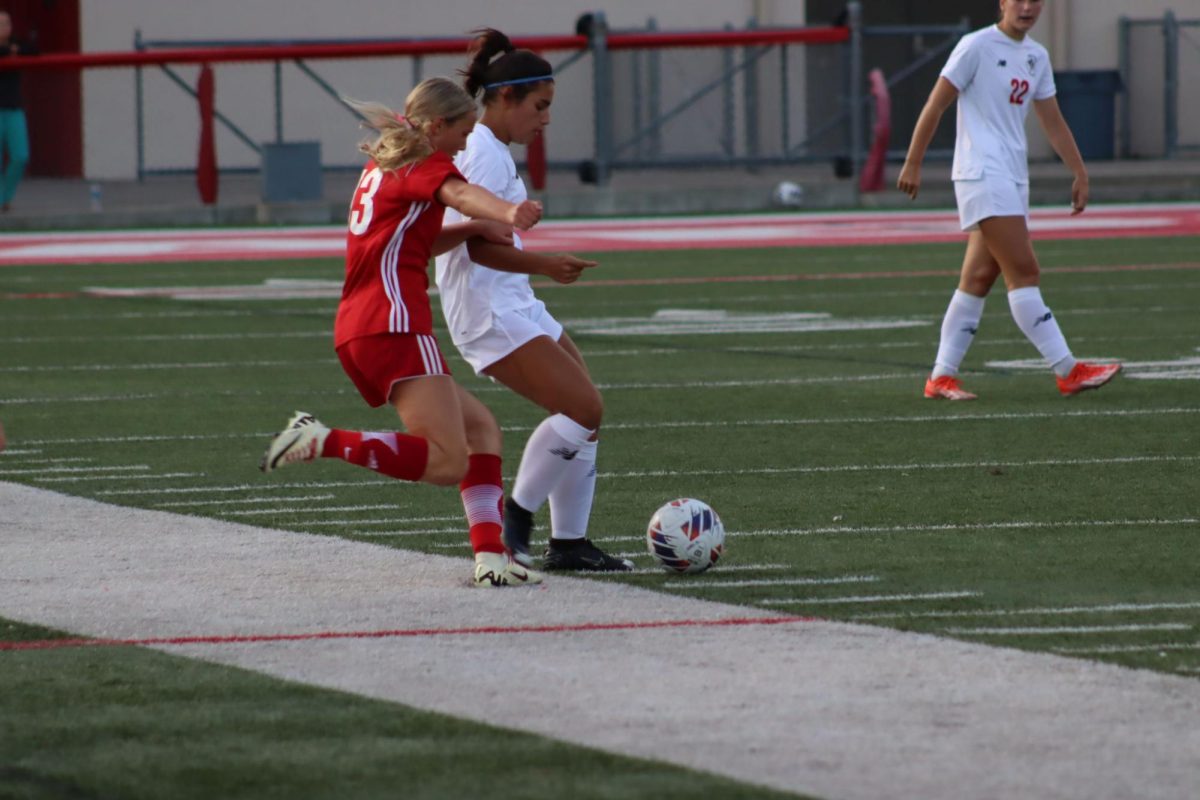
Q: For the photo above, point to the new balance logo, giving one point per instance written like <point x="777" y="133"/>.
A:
<point x="1045" y="318"/>
<point x="564" y="453"/>
<point x="1002" y="63"/>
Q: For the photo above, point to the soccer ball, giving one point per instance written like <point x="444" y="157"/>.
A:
<point x="686" y="535"/>
<point x="788" y="194"/>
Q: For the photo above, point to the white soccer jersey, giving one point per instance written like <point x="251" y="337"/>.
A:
<point x="472" y="293"/>
<point x="997" y="79"/>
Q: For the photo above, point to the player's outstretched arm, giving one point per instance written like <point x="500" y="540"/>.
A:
<point x="1063" y="141"/>
<point x="477" y="202"/>
<point x="452" y="236"/>
<point x="944" y="93"/>
<point x="560" y="267"/>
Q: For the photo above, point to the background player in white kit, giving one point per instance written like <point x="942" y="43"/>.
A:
<point x="503" y="330"/>
<point x="996" y="74"/>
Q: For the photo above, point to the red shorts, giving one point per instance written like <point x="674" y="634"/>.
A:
<point x="377" y="362"/>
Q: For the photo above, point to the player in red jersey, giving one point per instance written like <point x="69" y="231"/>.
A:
<point x="996" y="74"/>
<point x="383" y="333"/>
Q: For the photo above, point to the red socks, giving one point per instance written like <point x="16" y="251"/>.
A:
<point x="399" y="455"/>
<point x="396" y="455"/>
<point x="482" y="496"/>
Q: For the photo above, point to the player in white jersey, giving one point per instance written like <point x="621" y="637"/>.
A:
<point x="996" y="74"/>
<point x="503" y="330"/>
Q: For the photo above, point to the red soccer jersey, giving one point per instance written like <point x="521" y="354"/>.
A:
<point x="394" y="219"/>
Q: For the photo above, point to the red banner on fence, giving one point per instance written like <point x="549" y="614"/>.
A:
<point x="206" y="162"/>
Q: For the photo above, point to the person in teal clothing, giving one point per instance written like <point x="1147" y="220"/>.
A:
<point x="14" y="135"/>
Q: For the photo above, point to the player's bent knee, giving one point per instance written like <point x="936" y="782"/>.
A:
<point x="588" y="412"/>
<point x="446" y="468"/>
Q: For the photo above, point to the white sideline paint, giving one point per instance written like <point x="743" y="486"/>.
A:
<point x="828" y="709"/>
<point x="1052" y="631"/>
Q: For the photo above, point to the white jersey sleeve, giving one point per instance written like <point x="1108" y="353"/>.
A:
<point x="963" y="62"/>
<point x="1045" y="87"/>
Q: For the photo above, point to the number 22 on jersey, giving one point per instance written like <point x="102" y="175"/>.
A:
<point x="362" y="208"/>
<point x="1020" y="88"/>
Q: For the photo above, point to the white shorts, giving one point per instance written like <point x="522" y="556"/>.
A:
<point x="990" y="197"/>
<point x="507" y="332"/>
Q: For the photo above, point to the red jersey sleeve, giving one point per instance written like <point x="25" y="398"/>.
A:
<point x="428" y="176"/>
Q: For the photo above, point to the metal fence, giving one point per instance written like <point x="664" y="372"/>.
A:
<point x="1157" y="57"/>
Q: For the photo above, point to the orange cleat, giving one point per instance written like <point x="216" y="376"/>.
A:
<point x="1086" y="376"/>
<point x="946" y="387"/>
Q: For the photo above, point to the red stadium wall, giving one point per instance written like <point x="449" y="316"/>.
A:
<point x="53" y="98"/>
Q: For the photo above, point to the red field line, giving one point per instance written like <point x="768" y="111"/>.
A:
<point x="55" y="644"/>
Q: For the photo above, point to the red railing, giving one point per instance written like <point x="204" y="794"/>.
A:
<point x="618" y="41"/>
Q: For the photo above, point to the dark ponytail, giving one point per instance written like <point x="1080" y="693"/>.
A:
<point x="494" y="60"/>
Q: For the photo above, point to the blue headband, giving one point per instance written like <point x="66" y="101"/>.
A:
<point x="515" y="81"/>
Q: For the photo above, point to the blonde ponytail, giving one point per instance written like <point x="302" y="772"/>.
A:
<point x="404" y="139"/>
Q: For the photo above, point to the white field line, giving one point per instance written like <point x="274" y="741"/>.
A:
<point x="167" y="337"/>
<point x="63" y="470"/>
<point x="723" y="568"/>
<point x="701" y="583"/>
<point x="936" y="528"/>
<point x="229" y="502"/>
<point x="18" y="452"/>
<point x="876" y="598"/>
<point x="164" y="366"/>
<point x="482" y="389"/>
<point x="341" y="523"/>
<point x="1079" y="629"/>
<point x="1126" y="648"/>
<point x="137" y="315"/>
<point x="1112" y="608"/>
<point x="939" y="419"/>
<point x="248" y="487"/>
<point x="314" y="510"/>
<point x="139" y="476"/>
<point x="461" y="531"/>
<point x="910" y="419"/>
<point x="915" y="466"/>
<point x="17" y="456"/>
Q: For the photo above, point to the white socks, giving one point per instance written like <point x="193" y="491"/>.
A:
<point x="1039" y="326"/>
<point x="571" y="499"/>
<point x="549" y="458"/>
<point x="958" y="331"/>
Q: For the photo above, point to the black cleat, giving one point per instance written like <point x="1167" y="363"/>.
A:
<point x="518" y="525"/>
<point x="580" y="555"/>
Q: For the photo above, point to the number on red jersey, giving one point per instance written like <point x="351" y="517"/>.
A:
<point x="362" y="208"/>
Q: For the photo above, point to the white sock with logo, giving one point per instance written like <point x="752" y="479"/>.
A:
<point x="551" y="448"/>
<point x="1040" y="327"/>
<point x="958" y="331"/>
<point x="571" y="499"/>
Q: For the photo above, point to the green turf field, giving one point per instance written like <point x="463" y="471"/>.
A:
<point x="1021" y="520"/>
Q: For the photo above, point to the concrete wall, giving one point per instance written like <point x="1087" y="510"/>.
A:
<point x="1080" y="33"/>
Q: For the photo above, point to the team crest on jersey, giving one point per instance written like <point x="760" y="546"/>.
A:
<point x="1031" y="60"/>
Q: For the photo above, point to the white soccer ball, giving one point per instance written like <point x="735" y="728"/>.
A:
<point x="788" y="194"/>
<point x="686" y="535"/>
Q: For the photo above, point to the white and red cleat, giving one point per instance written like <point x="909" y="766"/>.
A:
<point x="1086" y="376"/>
<point x="946" y="387"/>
